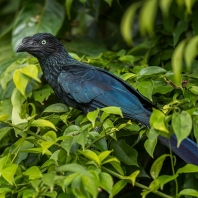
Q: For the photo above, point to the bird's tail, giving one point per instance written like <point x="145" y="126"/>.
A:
<point x="188" y="149"/>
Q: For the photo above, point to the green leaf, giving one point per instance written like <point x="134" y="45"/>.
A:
<point x="82" y="137"/>
<point x="92" y="116"/>
<point x="157" y="166"/>
<point x="33" y="173"/>
<point x="194" y="89"/>
<point x="57" y="108"/>
<point x="67" y="143"/>
<point x="127" y="22"/>
<point x="76" y="168"/>
<point x="177" y="62"/>
<point x="106" y="182"/>
<point x="191" y="51"/>
<point x="8" y="172"/>
<point x="118" y="187"/>
<point x="195" y="127"/>
<point x="150" y="71"/>
<point x="90" y="155"/>
<point x="20" y="81"/>
<point x="165" y="5"/>
<point x="150" y="145"/>
<point x="103" y="155"/>
<point x="4" y="117"/>
<point x="188" y="168"/>
<point x="43" y="123"/>
<point x="31" y="71"/>
<point x="3" y="161"/>
<point x="189" y="5"/>
<point x="43" y="93"/>
<point x="113" y="110"/>
<point x="37" y="16"/>
<point x="147" y="17"/>
<point x="146" y="88"/>
<point x="132" y="177"/>
<point x="182" y="125"/>
<point x="109" y="2"/>
<point x="124" y="152"/>
<point x="163" y="179"/>
<point x="179" y="29"/>
<point x="189" y="192"/>
<point x="68" y="5"/>
<point x="48" y="179"/>
<point x="157" y="120"/>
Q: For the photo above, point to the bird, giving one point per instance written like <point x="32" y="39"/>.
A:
<point x="86" y="87"/>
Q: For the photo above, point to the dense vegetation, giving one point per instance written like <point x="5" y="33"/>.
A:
<point x="51" y="150"/>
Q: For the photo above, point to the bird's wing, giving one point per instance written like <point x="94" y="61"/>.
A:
<point x="89" y="85"/>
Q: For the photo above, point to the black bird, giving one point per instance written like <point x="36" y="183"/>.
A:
<point x="87" y="87"/>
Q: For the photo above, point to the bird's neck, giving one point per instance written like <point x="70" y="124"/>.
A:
<point x="53" y="65"/>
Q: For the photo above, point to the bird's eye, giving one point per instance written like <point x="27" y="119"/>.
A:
<point x="43" y="42"/>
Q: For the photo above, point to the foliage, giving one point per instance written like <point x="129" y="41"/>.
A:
<point x="51" y="150"/>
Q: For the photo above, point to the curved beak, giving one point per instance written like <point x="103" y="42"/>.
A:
<point x="21" y="48"/>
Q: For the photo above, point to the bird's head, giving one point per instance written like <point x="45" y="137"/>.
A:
<point x="41" y="45"/>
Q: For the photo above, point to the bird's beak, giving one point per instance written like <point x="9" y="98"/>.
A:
<point x="21" y="48"/>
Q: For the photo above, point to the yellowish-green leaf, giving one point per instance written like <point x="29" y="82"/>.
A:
<point x="8" y="172"/>
<point x="91" y="155"/>
<point x="31" y="71"/>
<point x="43" y="123"/>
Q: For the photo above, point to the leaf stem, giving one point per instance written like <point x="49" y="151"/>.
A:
<point x="136" y="183"/>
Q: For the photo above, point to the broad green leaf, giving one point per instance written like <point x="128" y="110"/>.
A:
<point x="67" y="143"/>
<point x="124" y="152"/>
<point x="90" y="155"/>
<point x="91" y="184"/>
<point x="118" y="187"/>
<point x="157" y="120"/>
<point x="146" y="88"/>
<point x="3" y="161"/>
<point x="78" y="189"/>
<point x="4" y="117"/>
<point x="161" y="87"/>
<point x="188" y="168"/>
<point x="43" y="123"/>
<point x="106" y="182"/>
<point x="189" y="192"/>
<point x="113" y="110"/>
<point x="4" y="131"/>
<point x="147" y="17"/>
<point x="33" y="173"/>
<point x="43" y="93"/>
<point x="52" y="194"/>
<point x="182" y="125"/>
<point x="30" y="192"/>
<point x="8" y="172"/>
<point x="20" y="81"/>
<point x="31" y="71"/>
<point x="163" y="179"/>
<point x="82" y="137"/>
<point x="150" y="145"/>
<point x="127" y="22"/>
<point x="37" y="16"/>
<point x="151" y="71"/>
<point x="117" y="167"/>
<point x="48" y="179"/>
<point x="194" y="89"/>
<point x="177" y="61"/>
<point x="157" y="166"/>
<point x="36" y="150"/>
<point x="92" y="116"/>
<point x="72" y="130"/>
<point x="76" y="168"/>
<point x="57" y="108"/>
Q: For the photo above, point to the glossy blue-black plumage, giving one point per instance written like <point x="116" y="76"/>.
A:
<point x="86" y="87"/>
